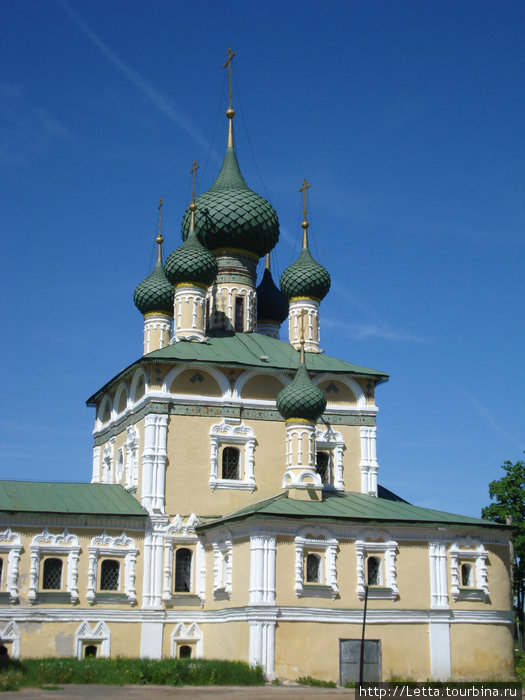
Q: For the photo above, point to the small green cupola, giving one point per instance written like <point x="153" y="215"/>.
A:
<point x="191" y="262"/>
<point x="272" y="305"/>
<point x="302" y="399"/>
<point x="153" y="297"/>
<point x="305" y="282"/>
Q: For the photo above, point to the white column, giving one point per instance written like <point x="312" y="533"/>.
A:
<point x="95" y="478"/>
<point x="262" y="646"/>
<point x="438" y="575"/>
<point x="368" y="464"/>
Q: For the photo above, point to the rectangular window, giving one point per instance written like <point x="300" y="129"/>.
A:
<point x="52" y="575"/>
<point x="239" y="314"/>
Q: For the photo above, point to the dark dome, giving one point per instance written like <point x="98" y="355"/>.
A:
<point x="231" y="215"/>
<point x="272" y="305"/>
<point x="302" y="398"/>
<point x="305" y="278"/>
<point x="154" y="293"/>
<point x="191" y="262"/>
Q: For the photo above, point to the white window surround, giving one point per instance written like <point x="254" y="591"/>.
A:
<point x="369" y="545"/>
<point x="469" y="550"/>
<point x="186" y="633"/>
<point x="11" y="544"/>
<point x="99" y="635"/>
<point x="61" y="545"/>
<point x="121" y="547"/>
<point x="11" y="635"/>
<point x="181" y="533"/>
<point x="108" y="457"/>
<point x="232" y="432"/>
<point x="331" y="441"/>
<point x="222" y="568"/>
<point x="316" y="541"/>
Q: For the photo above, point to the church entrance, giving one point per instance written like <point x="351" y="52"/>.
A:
<point x="350" y="657"/>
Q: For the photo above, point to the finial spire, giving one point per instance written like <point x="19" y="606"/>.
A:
<point x="305" y="223"/>
<point x="230" y="112"/>
<point x="267" y="265"/>
<point x="193" y="206"/>
<point x="159" y="240"/>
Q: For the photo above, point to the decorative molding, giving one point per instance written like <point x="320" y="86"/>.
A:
<point x="232" y="431"/>
<point x="262" y="646"/>
<point x="154" y="457"/>
<point x="315" y="540"/>
<point x="116" y="547"/>
<point x="388" y="548"/>
<point x="61" y="544"/>
<point x="186" y="633"/>
<point x="99" y="635"/>
<point x="333" y="441"/>
<point x="222" y="569"/>
<point x="131" y="469"/>
<point x="11" y="544"/>
<point x="177" y="533"/>
<point x="11" y="635"/>
<point x="472" y="550"/>
<point x="108" y="455"/>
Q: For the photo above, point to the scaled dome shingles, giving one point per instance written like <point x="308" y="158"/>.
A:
<point x="305" y="278"/>
<point x="231" y="215"/>
<point x="191" y="262"/>
<point x="154" y="293"/>
<point x="302" y="398"/>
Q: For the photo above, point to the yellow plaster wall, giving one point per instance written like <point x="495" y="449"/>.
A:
<point x="312" y="649"/>
<point x="337" y="393"/>
<point x="481" y="652"/>
<point x="183" y="384"/>
<point x="262" y="386"/>
<point x="228" y="641"/>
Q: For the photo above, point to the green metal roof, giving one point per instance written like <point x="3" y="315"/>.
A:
<point x="246" y="350"/>
<point x="353" y="508"/>
<point x="68" y="498"/>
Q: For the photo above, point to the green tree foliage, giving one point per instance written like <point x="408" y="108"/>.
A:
<point x="508" y="494"/>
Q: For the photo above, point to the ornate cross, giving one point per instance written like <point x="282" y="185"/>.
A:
<point x="228" y="61"/>
<point x="193" y="171"/>
<point x="303" y="189"/>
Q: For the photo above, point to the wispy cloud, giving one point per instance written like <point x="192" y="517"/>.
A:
<point x="177" y="115"/>
<point x="27" y="130"/>
<point x="486" y="415"/>
<point x="361" y="331"/>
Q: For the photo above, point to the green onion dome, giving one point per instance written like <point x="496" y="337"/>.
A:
<point x="231" y="215"/>
<point x="272" y="305"/>
<point x="305" y="278"/>
<point x="154" y="293"/>
<point x="191" y="263"/>
<point x="302" y="398"/>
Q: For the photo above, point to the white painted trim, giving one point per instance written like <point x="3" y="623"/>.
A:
<point x="469" y="548"/>
<point x="99" y="635"/>
<point x="321" y="541"/>
<point x="368" y="464"/>
<point x="222" y="568"/>
<point x="388" y="547"/>
<point x="11" y="635"/>
<point x="151" y="640"/>
<point x="437" y="558"/>
<point x="133" y="386"/>
<point x="261" y="650"/>
<point x="122" y="387"/>
<point x="440" y="661"/>
<point x="61" y="544"/>
<point x="185" y="633"/>
<point x="232" y="431"/>
<point x="11" y="544"/>
<point x="117" y="548"/>
<point x="332" y="441"/>
<point x="154" y="456"/>
<point x="262" y="570"/>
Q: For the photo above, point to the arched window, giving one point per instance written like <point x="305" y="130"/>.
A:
<point x="183" y="570"/>
<point x="467" y="579"/>
<point x="323" y="466"/>
<point x="313" y="568"/>
<point x="90" y="651"/>
<point x="52" y="575"/>
<point x="185" y="652"/>
<point x="109" y="575"/>
<point x="230" y="463"/>
<point x="373" y="571"/>
<point x="239" y="314"/>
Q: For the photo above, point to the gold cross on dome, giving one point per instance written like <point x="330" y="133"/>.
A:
<point x="303" y="189"/>
<point x="228" y="61"/>
<point x="194" y="169"/>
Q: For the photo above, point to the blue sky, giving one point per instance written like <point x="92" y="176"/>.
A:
<point x="407" y="118"/>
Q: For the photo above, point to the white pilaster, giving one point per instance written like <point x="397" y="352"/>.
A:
<point x="438" y="575"/>
<point x="262" y="646"/>
<point x="368" y="464"/>
<point x="262" y="570"/>
<point x="151" y="640"/>
<point x="440" y="664"/>
<point x="154" y="462"/>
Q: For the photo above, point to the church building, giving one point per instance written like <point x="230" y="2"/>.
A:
<point x="234" y="509"/>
